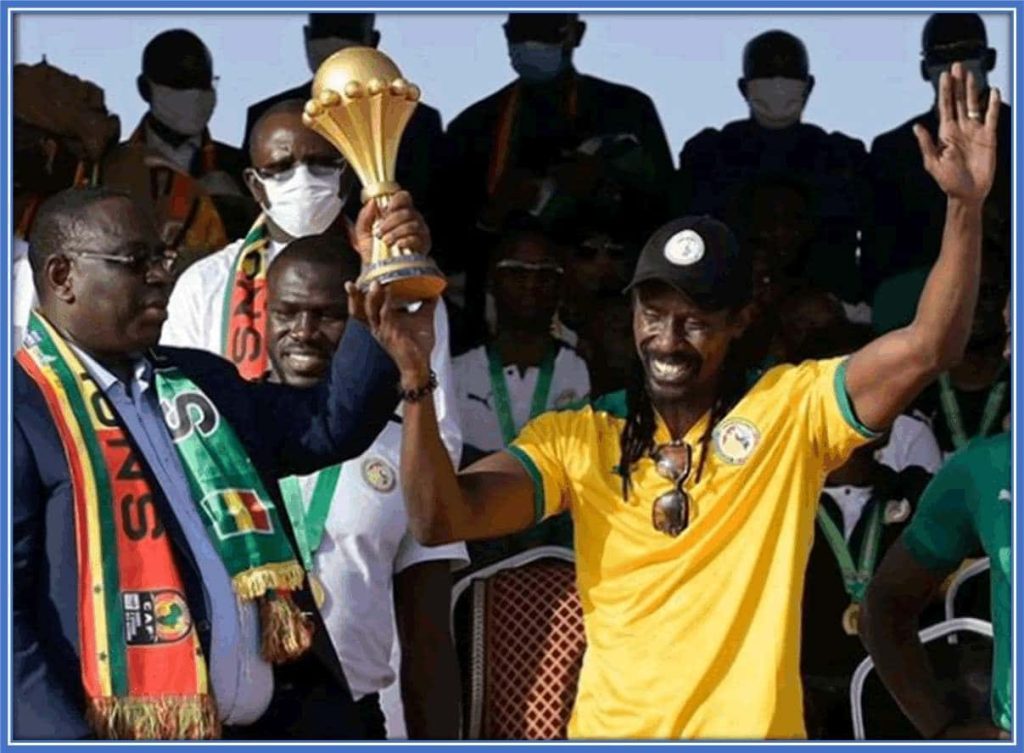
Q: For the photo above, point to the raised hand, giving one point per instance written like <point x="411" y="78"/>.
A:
<point x="963" y="159"/>
<point x="404" y="330"/>
<point x="399" y="226"/>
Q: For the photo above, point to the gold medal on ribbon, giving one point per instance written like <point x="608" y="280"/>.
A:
<point x="851" y="619"/>
<point x="319" y="594"/>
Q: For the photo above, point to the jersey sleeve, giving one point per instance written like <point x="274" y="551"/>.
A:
<point x="942" y="532"/>
<point x="543" y="447"/>
<point x="832" y="424"/>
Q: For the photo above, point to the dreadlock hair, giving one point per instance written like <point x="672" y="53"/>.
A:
<point x="637" y="438"/>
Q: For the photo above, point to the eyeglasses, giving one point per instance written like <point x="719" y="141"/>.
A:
<point x="670" y="513"/>
<point x="139" y="262"/>
<point x="317" y="168"/>
<point x="529" y="266"/>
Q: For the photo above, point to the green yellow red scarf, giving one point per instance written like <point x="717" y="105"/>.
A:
<point x="244" y="335"/>
<point x="142" y="665"/>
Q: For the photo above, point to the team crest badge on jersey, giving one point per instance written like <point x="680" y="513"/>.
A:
<point x="734" y="440"/>
<point x="379" y="475"/>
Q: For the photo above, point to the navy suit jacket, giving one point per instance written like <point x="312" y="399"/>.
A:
<point x="284" y="430"/>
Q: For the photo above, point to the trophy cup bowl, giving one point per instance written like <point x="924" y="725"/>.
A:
<point x="361" y="105"/>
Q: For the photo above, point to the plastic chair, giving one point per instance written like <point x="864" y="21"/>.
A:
<point x="929" y="634"/>
<point x="975" y="568"/>
<point x="526" y="645"/>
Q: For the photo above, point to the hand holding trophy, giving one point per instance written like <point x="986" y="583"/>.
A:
<point x="361" y="104"/>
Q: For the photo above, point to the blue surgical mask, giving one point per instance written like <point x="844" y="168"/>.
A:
<point x="537" y="61"/>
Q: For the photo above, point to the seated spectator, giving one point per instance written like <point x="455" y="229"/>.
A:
<point x="420" y="156"/>
<point x="523" y="370"/>
<point x="555" y="143"/>
<point x="177" y="83"/>
<point x="357" y="542"/>
<point x="772" y="142"/>
<point x="965" y="512"/>
<point x="864" y="506"/>
<point x="53" y="148"/>
<point x="906" y="225"/>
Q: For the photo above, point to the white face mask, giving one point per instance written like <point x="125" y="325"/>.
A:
<point x="318" y="50"/>
<point x="776" y="102"/>
<point x="184" y="111"/>
<point x="301" y="203"/>
<point x="971" y="68"/>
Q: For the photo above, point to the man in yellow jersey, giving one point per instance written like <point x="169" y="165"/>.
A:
<point x="694" y="502"/>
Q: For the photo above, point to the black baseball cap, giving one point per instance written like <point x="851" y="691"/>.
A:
<point x="699" y="257"/>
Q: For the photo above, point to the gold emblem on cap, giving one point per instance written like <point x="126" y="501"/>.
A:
<point x="684" y="248"/>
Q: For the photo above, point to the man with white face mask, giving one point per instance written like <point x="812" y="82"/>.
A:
<point x="419" y="156"/>
<point x="907" y="224"/>
<point x="219" y="304"/>
<point x="717" y="165"/>
<point x="177" y="82"/>
<point x="554" y="143"/>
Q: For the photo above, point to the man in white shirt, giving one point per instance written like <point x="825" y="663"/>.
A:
<point x="23" y="291"/>
<point x="299" y="180"/>
<point x="523" y="371"/>
<point x="372" y="571"/>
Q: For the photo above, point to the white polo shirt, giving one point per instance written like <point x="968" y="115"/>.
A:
<point x="366" y="543"/>
<point x="570" y="382"/>
<point x="911" y="442"/>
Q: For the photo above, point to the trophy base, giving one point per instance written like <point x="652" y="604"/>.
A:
<point x="413" y="277"/>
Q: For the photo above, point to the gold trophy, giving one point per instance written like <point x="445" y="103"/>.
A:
<point x="361" y="104"/>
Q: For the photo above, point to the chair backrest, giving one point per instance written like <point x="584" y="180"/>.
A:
<point x="964" y="574"/>
<point x="929" y="634"/>
<point x="526" y="645"/>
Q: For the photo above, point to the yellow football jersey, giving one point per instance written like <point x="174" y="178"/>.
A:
<point x="696" y="636"/>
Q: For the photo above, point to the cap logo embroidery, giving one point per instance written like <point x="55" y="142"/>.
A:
<point x="684" y="248"/>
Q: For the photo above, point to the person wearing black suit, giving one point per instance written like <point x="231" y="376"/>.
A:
<point x="103" y="279"/>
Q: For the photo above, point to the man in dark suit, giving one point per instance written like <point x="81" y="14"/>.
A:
<point x="722" y="169"/>
<point x="419" y="156"/>
<point x="178" y="85"/>
<point x="907" y="224"/>
<point x="104" y="279"/>
<point x="568" y="148"/>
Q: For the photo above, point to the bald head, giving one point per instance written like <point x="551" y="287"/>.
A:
<point x="308" y="307"/>
<point x="773" y="54"/>
<point x="178" y="59"/>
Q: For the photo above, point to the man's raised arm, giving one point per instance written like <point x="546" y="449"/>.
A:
<point x="887" y="374"/>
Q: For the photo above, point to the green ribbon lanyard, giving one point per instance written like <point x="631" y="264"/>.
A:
<point x="855" y="579"/>
<point x="955" y="421"/>
<point x="502" y="402"/>
<point x="309" y="525"/>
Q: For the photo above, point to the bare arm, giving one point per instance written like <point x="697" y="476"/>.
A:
<point x="899" y="592"/>
<point x="430" y="672"/>
<point x="493" y="497"/>
<point x="887" y="374"/>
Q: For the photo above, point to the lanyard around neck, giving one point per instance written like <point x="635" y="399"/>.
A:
<point x="856" y="576"/>
<point x="502" y="401"/>
<point x="954" y="418"/>
<point x="309" y="524"/>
